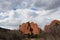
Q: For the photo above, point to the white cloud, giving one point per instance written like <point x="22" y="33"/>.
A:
<point x="15" y="12"/>
<point x="16" y="17"/>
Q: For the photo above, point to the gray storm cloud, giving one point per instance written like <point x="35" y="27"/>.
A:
<point x="18" y="4"/>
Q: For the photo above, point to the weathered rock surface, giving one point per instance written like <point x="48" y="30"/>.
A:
<point x="52" y="31"/>
<point x="29" y="28"/>
<point x="53" y="26"/>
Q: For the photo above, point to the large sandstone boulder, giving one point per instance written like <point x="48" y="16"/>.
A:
<point x="29" y="28"/>
<point x="54" y="25"/>
<point x="54" y="29"/>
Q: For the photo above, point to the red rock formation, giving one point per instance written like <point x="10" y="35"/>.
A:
<point x="51" y="25"/>
<point x="52" y="31"/>
<point x="29" y="28"/>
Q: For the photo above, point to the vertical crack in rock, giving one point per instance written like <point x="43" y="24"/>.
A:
<point x="29" y="28"/>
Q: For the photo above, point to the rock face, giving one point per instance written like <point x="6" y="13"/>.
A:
<point x="54" y="25"/>
<point x="52" y="31"/>
<point x="29" y="28"/>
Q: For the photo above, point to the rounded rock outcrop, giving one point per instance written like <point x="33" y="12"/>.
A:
<point x="29" y="28"/>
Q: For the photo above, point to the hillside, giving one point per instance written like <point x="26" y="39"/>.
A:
<point x="31" y="31"/>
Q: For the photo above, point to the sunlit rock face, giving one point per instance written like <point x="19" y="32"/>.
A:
<point x="54" y="26"/>
<point x="52" y="31"/>
<point x="29" y="28"/>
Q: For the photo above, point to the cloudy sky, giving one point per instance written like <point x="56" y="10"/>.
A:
<point x="15" y="12"/>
